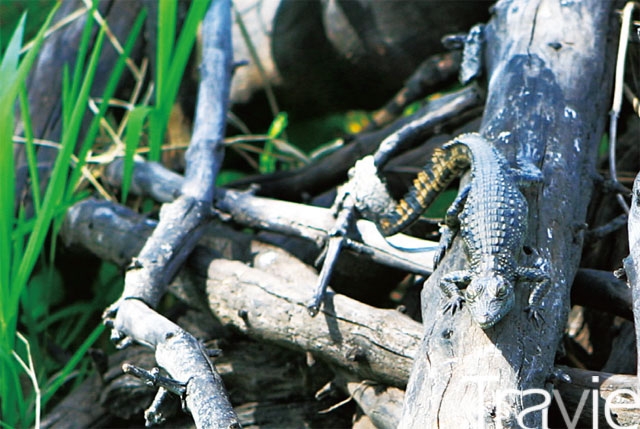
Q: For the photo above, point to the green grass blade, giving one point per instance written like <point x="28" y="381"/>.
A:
<point x="56" y="188"/>
<point x="110" y="88"/>
<point x="166" y="37"/>
<point x="83" y="48"/>
<point x="267" y="158"/>
<point x="67" y="105"/>
<point x="11" y="87"/>
<point x="7" y="198"/>
<point x="135" y="125"/>
<point x="168" y="79"/>
<point x="30" y="149"/>
<point x="12" y="401"/>
<point x="11" y="57"/>
<point x="9" y="76"/>
<point x="187" y="37"/>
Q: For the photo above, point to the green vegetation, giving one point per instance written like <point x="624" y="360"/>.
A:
<point x="172" y="60"/>
<point x="31" y="290"/>
<point x="16" y="260"/>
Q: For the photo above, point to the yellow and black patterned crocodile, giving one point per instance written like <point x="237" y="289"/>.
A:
<point x="490" y="213"/>
<point x="446" y="164"/>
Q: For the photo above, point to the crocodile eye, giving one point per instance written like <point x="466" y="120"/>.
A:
<point x="502" y="291"/>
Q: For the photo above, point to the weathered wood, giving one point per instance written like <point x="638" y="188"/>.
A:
<point x="353" y="335"/>
<point x="182" y="222"/>
<point x="620" y="392"/>
<point x="276" y="289"/>
<point x="258" y="376"/>
<point x="382" y="404"/>
<point x="548" y="87"/>
<point x="309" y="222"/>
<point x="632" y="262"/>
<point x="270" y="290"/>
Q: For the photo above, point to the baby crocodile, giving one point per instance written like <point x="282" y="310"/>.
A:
<point x="490" y="213"/>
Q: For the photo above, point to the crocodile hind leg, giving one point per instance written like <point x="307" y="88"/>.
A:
<point x="450" y="285"/>
<point x="451" y="225"/>
<point x="538" y="275"/>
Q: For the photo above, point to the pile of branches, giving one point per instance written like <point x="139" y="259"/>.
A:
<point x="241" y="347"/>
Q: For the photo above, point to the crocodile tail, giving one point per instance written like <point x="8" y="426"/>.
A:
<point x="446" y="164"/>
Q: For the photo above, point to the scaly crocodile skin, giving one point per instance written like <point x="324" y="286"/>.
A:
<point x="445" y="165"/>
<point x="490" y="214"/>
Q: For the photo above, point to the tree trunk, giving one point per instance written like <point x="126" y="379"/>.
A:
<point x="548" y="88"/>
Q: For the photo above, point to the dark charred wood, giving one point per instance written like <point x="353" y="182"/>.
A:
<point x="601" y="290"/>
<point x="331" y="170"/>
<point x="356" y="54"/>
<point x="623" y="357"/>
<point x="434" y="71"/>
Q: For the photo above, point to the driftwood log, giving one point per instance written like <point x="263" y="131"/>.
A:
<point x="548" y="85"/>
<point x="133" y="317"/>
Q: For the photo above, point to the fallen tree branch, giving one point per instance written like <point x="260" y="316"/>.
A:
<point x="347" y="332"/>
<point x="331" y="170"/>
<point x="313" y="223"/>
<point x="181" y="223"/>
<point x="267" y="302"/>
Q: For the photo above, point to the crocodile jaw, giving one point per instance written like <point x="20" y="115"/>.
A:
<point x="489" y="298"/>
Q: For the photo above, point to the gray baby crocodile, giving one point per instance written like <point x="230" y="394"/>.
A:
<point x="490" y="213"/>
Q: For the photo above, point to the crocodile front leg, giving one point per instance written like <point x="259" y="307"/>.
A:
<point x="451" y="284"/>
<point x="538" y="275"/>
<point x="451" y="225"/>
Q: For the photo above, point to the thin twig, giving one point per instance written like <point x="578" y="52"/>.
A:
<point x="617" y="95"/>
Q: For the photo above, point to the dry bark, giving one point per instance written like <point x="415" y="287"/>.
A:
<point x="263" y="295"/>
<point x="535" y="51"/>
<point x="133" y="317"/>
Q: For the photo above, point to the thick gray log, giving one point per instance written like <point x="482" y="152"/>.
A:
<point x="608" y="399"/>
<point x="264" y="295"/>
<point x="351" y="334"/>
<point x="548" y="91"/>
<point x="632" y="262"/>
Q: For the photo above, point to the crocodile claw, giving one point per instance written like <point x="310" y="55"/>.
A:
<point x="535" y="315"/>
<point x="454" y="304"/>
